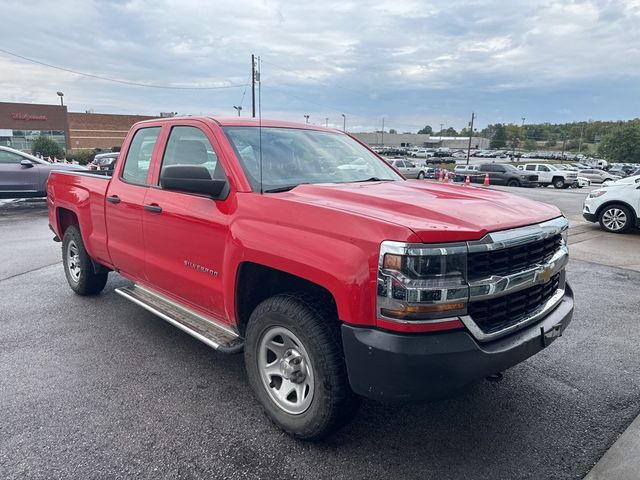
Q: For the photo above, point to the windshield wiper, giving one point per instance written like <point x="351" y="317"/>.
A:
<point x="373" y="179"/>
<point x="284" y="188"/>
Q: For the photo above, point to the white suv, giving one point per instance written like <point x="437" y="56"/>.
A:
<point x="616" y="207"/>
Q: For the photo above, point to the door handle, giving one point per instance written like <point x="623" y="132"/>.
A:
<point x="113" y="199"/>
<point x="153" y="208"/>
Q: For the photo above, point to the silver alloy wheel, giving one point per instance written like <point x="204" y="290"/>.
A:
<point x="73" y="261"/>
<point x="614" y="219"/>
<point x="285" y="370"/>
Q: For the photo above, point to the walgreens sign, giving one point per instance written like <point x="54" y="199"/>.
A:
<point x="29" y="117"/>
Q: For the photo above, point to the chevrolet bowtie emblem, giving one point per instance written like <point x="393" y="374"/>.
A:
<point x="546" y="274"/>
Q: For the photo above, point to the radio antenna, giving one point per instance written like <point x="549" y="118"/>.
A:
<point x="257" y="78"/>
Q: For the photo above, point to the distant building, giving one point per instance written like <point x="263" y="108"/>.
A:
<point x="22" y="123"/>
<point x="377" y="139"/>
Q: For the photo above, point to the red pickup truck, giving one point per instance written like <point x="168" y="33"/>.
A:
<point x="338" y="277"/>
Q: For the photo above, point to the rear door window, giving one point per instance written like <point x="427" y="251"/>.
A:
<point x="136" y="165"/>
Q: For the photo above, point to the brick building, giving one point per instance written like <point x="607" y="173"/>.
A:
<point x="22" y="123"/>
<point x="100" y="130"/>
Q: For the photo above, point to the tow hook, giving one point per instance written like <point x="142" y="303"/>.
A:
<point x="495" y="377"/>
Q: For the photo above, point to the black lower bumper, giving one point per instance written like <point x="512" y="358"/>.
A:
<point x="413" y="367"/>
<point x="590" y="217"/>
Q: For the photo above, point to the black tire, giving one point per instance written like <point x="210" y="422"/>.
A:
<point x="333" y="403"/>
<point x="421" y="176"/>
<point x="615" y="218"/>
<point x="513" y="183"/>
<point x="80" y="273"/>
<point x="558" y="183"/>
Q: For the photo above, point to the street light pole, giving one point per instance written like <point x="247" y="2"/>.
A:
<point x="238" y="108"/>
<point x="523" y="134"/>
<point x="306" y="118"/>
<point x="344" y="123"/>
<point x="383" y="131"/>
<point x="470" y="136"/>
<point x="60" y="94"/>
<point x="326" y="122"/>
<point x="441" y="127"/>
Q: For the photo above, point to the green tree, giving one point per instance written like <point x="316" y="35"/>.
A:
<point x="447" y="132"/>
<point x="530" y="144"/>
<point x="499" y="138"/>
<point x="47" y="147"/>
<point x="393" y="130"/>
<point x="623" y="144"/>
<point x="427" y="130"/>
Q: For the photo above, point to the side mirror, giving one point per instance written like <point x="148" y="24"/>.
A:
<point x="193" y="179"/>
<point x="26" y="163"/>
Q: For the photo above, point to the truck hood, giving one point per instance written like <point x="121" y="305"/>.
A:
<point x="435" y="212"/>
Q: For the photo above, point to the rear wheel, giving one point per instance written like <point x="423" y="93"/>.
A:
<point x="421" y="176"/>
<point x="615" y="218"/>
<point x="78" y="267"/>
<point x="295" y="365"/>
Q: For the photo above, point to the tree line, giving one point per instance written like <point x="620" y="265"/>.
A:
<point x="618" y="141"/>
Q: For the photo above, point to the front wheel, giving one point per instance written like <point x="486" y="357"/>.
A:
<point x="78" y="268"/>
<point x="421" y="176"/>
<point x="295" y="365"/>
<point x="615" y="218"/>
<point x="558" y="183"/>
<point x="513" y="183"/>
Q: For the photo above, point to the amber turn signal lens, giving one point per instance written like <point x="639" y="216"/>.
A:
<point x="413" y="311"/>
<point x="392" y="262"/>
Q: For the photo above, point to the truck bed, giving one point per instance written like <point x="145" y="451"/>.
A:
<point x="80" y="194"/>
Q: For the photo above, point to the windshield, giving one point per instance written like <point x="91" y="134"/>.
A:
<point x="292" y="156"/>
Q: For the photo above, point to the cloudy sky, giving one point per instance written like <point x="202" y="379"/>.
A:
<point x="409" y="62"/>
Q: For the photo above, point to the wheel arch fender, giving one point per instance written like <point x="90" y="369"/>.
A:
<point x="337" y="266"/>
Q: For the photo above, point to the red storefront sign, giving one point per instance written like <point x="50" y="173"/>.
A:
<point x="28" y="117"/>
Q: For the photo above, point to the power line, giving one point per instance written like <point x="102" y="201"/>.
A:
<point x="114" y="80"/>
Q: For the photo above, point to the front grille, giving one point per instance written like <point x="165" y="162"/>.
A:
<point x="532" y="178"/>
<point x="499" y="313"/>
<point x="511" y="260"/>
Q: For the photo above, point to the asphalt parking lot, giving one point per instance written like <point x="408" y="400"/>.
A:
<point x="98" y="387"/>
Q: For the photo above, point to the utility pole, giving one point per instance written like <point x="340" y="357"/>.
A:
<point x="383" y="131"/>
<point x="253" y="86"/>
<point x="326" y="122"/>
<point x="580" y="144"/>
<point x="564" y="141"/>
<point x="470" y="137"/>
<point x="523" y="135"/>
<point x="441" y="127"/>
<point x="344" y="122"/>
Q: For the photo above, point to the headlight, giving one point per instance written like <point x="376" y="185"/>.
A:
<point x="418" y="283"/>
<point x="597" y="193"/>
<point x="523" y="176"/>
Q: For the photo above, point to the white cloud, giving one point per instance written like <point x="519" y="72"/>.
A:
<point x="402" y="59"/>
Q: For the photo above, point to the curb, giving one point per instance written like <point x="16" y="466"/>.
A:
<point x="622" y="460"/>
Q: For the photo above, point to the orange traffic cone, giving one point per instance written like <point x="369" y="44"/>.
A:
<point x="486" y="180"/>
<point x="467" y="181"/>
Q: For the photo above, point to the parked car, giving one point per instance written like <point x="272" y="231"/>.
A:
<point x="581" y="182"/>
<point x="551" y="175"/>
<point x="334" y="283"/>
<point x="504" y="174"/>
<point x="616" y="207"/>
<point x="409" y="169"/>
<point x="104" y="161"/>
<point x="618" y="172"/>
<point x="597" y="176"/>
<point x="23" y="175"/>
<point x="629" y="179"/>
<point x="466" y="169"/>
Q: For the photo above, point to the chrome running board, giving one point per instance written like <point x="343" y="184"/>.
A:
<point x="205" y="329"/>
